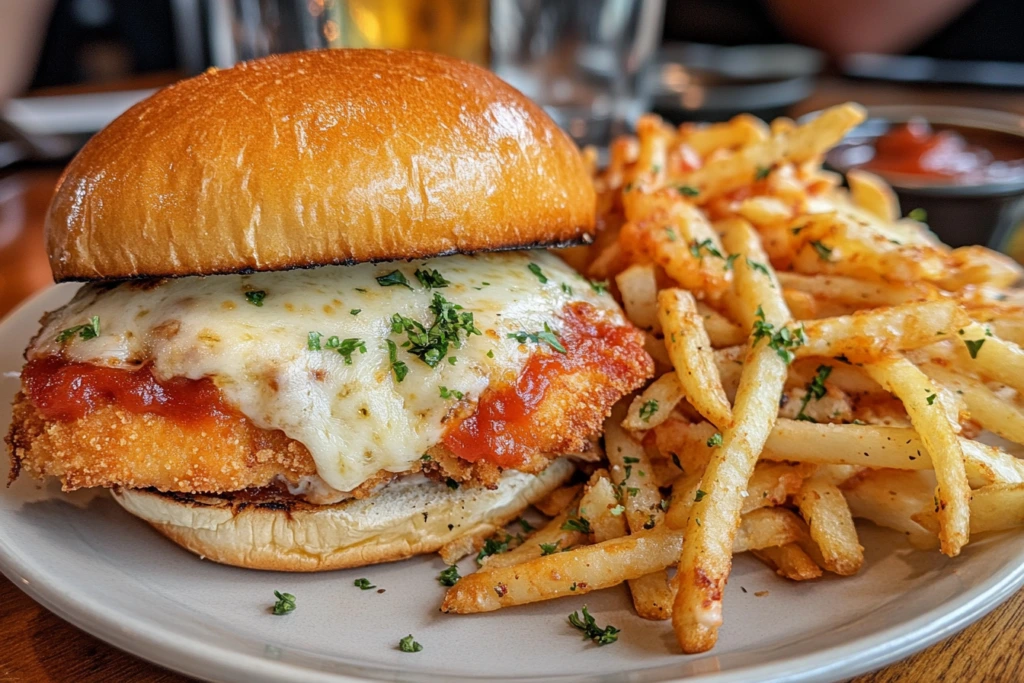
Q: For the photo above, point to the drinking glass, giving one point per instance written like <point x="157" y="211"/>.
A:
<point x="582" y="60"/>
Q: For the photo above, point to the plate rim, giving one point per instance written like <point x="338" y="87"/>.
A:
<point x="161" y="645"/>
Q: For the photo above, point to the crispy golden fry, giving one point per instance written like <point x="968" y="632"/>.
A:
<point x="654" y="406"/>
<point x="997" y="507"/>
<point x="553" y="533"/>
<point x="453" y="551"/>
<point x="928" y="407"/>
<point x="773" y="482"/>
<point x="857" y="293"/>
<point x="603" y="565"/>
<point x="993" y="412"/>
<point x="600" y="505"/>
<point x="789" y="561"/>
<point x="707" y="559"/>
<point x="865" y="335"/>
<point x="639" y="289"/>
<point x="740" y="131"/>
<point x="684" y="492"/>
<point x="976" y="265"/>
<point x="558" y="500"/>
<point x="825" y="510"/>
<point x="799" y="144"/>
<point x="892" y="498"/>
<point x="845" y="444"/>
<point x="873" y="194"/>
<point x="721" y="331"/>
<point x="632" y="473"/>
<point x="991" y="356"/>
<point x="691" y="353"/>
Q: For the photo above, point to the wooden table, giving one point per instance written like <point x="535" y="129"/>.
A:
<point x="35" y="645"/>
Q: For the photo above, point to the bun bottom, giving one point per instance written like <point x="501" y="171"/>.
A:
<point x="411" y="516"/>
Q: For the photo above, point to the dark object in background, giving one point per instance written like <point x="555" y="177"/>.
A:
<point x="985" y="212"/>
<point x="694" y="82"/>
<point x="100" y="41"/>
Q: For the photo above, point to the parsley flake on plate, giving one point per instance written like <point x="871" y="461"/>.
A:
<point x="408" y="644"/>
<point x="587" y="624"/>
<point x="285" y="603"/>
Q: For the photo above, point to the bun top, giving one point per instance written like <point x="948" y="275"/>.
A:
<point x="314" y="158"/>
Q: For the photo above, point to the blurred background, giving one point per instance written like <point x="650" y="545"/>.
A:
<point x="943" y="80"/>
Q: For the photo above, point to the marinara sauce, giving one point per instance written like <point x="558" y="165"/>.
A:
<point x="67" y="391"/>
<point x="503" y="430"/>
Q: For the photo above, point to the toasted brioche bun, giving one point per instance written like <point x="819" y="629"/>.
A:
<point x="411" y="516"/>
<point x="315" y="158"/>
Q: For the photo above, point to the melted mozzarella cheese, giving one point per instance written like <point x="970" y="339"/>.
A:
<point x="354" y="417"/>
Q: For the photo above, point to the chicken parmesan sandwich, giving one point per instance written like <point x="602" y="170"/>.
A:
<point x="311" y="334"/>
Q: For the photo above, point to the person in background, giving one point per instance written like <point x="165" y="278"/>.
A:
<point x="22" y="28"/>
<point x="948" y="29"/>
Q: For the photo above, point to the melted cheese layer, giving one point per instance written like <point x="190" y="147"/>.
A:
<point x="355" y="418"/>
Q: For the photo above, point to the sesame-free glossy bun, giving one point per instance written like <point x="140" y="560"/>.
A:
<point x="411" y="516"/>
<point x="313" y="158"/>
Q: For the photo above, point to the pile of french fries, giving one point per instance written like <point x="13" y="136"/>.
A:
<point x="820" y="359"/>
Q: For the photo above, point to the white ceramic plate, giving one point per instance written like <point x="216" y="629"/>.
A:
<point x="84" y="558"/>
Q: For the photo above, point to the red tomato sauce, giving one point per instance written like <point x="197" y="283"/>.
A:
<point x="503" y="430"/>
<point x="67" y="391"/>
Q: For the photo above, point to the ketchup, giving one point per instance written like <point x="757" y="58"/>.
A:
<point x="503" y="429"/>
<point x="67" y="391"/>
<point x="914" y="148"/>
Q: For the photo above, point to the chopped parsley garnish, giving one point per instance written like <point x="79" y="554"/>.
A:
<point x="493" y="546"/>
<point x="451" y="393"/>
<point x="431" y="345"/>
<point x="632" y="491"/>
<point x="395" y="277"/>
<point x="671" y="234"/>
<point x="919" y="215"/>
<point x="451" y="483"/>
<point x="256" y="297"/>
<point x="535" y="269"/>
<point x="449" y="576"/>
<point x="700" y="496"/>
<point x="617" y="510"/>
<point x="647" y="410"/>
<point x="90" y="330"/>
<point x="580" y="524"/>
<point x="630" y="460"/>
<point x="707" y="245"/>
<point x="355" y="311"/>
<point x="285" y="603"/>
<point x="816" y="390"/>
<point x="797" y="230"/>
<point x="407" y="644"/>
<point x="824" y="253"/>
<point x="783" y="340"/>
<point x="931" y="398"/>
<point x="426" y="457"/>
<point x="762" y="172"/>
<point x="688" y="190"/>
<point x="527" y="527"/>
<point x="313" y="341"/>
<point x="599" y="286"/>
<point x="346" y="347"/>
<point x="363" y="584"/>
<point x="759" y="267"/>
<point x="548" y="548"/>
<point x="567" y="289"/>
<point x="714" y="440"/>
<point x="973" y="346"/>
<point x="452" y="360"/>
<point x="730" y="260"/>
<point x="587" y="624"/>
<point x="490" y="353"/>
<point x="548" y="337"/>
<point x="398" y="367"/>
<point x="431" y="279"/>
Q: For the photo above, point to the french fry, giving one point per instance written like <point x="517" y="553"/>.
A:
<point x="991" y="411"/>
<point x="845" y="444"/>
<point x="554" y="533"/>
<point x="633" y="475"/>
<point x="654" y="406"/>
<point x="706" y="558"/>
<point x="558" y="500"/>
<point x="721" y="331"/>
<point x="865" y="335"/>
<point x="603" y="565"/>
<point x="691" y="353"/>
<point x="639" y="289"/>
<point x="774" y="482"/>
<point x="873" y="194"/>
<point x="892" y="499"/>
<point x="601" y="507"/>
<point x="789" y="561"/>
<point x="453" y="551"/>
<point x="799" y="144"/>
<point x="858" y="293"/>
<point x="997" y="508"/>
<point x="996" y="358"/>
<point x="927" y="407"/>
<point x="824" y="508"/>
<point x="740" y="131"/>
